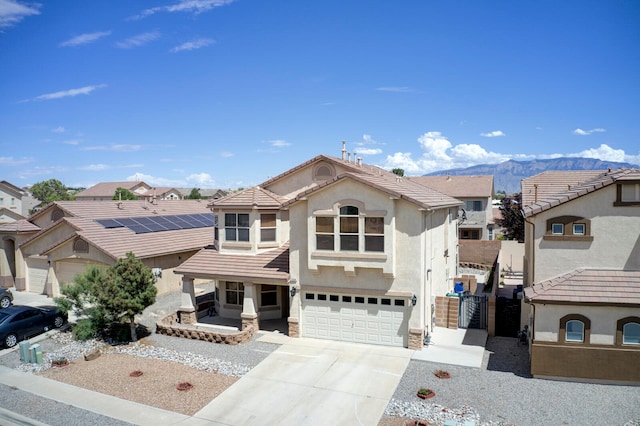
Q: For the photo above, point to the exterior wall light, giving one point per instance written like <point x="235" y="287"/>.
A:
<point x="292" y="291"/>
<point x="414" y="300"/>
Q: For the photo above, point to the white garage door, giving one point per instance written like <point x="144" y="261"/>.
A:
<point x="350" y="318"/>
<point x="38" y="269"/>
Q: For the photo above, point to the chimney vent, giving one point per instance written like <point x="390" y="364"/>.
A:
<point x="359" y="161"/>
<point x="344" y="150"/>
<point x="348" y="157"/>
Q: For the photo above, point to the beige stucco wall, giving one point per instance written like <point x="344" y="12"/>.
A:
<point x="615" y="245"/>
<point x="511" y="255"/>
<point x="603" y="321"/>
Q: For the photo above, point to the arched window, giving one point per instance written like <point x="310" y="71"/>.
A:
<point x="574" y="331"/>
<point x="574" y="328"/>
<point x="628" y="331"/>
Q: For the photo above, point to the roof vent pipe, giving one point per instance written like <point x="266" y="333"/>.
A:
<point x="360" y="161"/>
<point x="344" y="150"/>
<point x="348" y="157"/>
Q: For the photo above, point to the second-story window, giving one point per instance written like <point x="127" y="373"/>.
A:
<point x="474" y="205"/>
<point x="324" y="233"/>
<point x="268" y="227"/>
<point x="354" y="232"/>
<point x="349" y="228"/>
<point x="236" y="227"/>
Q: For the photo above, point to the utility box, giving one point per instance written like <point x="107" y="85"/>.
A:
<point x="23" y="348"/>
<point x="35" y="354"/>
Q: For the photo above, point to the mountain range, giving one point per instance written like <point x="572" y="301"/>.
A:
<point x="507" y="175"/>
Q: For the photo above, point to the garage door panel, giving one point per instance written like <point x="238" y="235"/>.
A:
<point x="354" y="322"/>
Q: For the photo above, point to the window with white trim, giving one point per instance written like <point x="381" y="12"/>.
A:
<point x="355" y="231"/>
<point x="324" y="233"/>
<point x="373" y="234"/>
<point x="268" y="227"/>
<point x="349" y="221"/>
<point x="236" y="226"/>
<point x="474" y="205"/>
<point x="235" y="293"/>
<point x="557" y="229"/>
<point x="578" y="228"/>
<point x="574" y="331"/>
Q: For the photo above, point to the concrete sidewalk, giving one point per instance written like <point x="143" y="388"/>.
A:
<point x="313" y="382"/>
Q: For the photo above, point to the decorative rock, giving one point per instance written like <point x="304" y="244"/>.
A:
<point x="92" y="355"/>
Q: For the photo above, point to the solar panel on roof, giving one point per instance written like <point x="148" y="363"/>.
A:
<point x="146" y="224"/>
<point x="110" y="223"/>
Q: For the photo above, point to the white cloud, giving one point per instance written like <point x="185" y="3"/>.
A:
<point x="368" y="151"/>
<point x="58" y="129"/>
<point x="69" y="93"/>
<point x="193" y="6"/>
<point x="114" y="148"/>
<point x="396" y="89"/>
<point x="226" y="154"/>
<point x="194" y="44"/>
<point x="201" y="180"/>
<point x="10" y="161"/>
<point x="103" y="167"/>
<point x="72" y="142"/>
<point x="12" y="12"/>
<point x="279" y="143"/>
<point x="494" y="134"/>
<point x="603" y="152"/>
<point x="138" y="40"/>
<point x="85" y="38"/>
<point x="588" y="132"/>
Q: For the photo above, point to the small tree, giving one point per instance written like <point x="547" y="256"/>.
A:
<point x="194" y="194"/>
<point x="79" y="297"/>
<point x="128" y="290"/>
<point x="512" y="219"/>
<point x="49" y="191"/>
<point x="398" y="171"/>
<point x="124" y="194"/>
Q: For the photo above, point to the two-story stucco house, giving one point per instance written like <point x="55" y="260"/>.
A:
<point x="342" y="250"/>
<point x="476" y="220"/>
<point x="582" y="279"/>
<point x="104" y="191"/>
<point x="15" y="202"/>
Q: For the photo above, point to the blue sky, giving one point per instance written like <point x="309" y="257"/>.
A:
<point x="227" y="93"/>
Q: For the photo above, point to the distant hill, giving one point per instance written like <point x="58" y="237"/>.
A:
<point x="507" y="175"/>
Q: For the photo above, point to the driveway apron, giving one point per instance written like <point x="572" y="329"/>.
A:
<point x="313" y="382"/>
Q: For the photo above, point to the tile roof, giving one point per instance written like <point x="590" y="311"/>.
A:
<point x="459" y="186"/>
<point x="116" y="242"/>
<point x="589" y="286"/>
<point x="107" y="189"/>
<point x="128" y="208"/>
<point x="545" y="184"/>
<point x="601" y="181"/>
<point x="19" y="226"/>
<point x="393" y="185"/>
<point x="254" y="197"/>
<point x="270" y="266"/>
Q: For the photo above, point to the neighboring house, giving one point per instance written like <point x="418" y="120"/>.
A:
<point x="582" y="278"/>
<point x="61" y="240"/>
<point x="342" y="250"/>
<point x="104" y="191"/>
<point x="15" y="202"/>
<point x="476" y="192"/>
<point x="206" y="194"/>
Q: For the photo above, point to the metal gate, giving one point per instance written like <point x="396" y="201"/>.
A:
<point x="473" y="311"/>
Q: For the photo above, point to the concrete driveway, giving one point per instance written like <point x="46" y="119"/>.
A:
<point x="312" y="382"/>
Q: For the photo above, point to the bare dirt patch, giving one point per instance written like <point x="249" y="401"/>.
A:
<point x="157" y="386"/>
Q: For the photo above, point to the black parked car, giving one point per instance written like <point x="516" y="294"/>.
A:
<point x="21" y="322"/>
<point x="6" y="297"/>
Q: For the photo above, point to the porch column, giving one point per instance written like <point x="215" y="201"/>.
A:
<point x="249" y="315"/>
<point x="51" y="279"/>
<point x="21" y="270"/>
<point x="187" y="312"/>
<point x="6" y="280"/>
